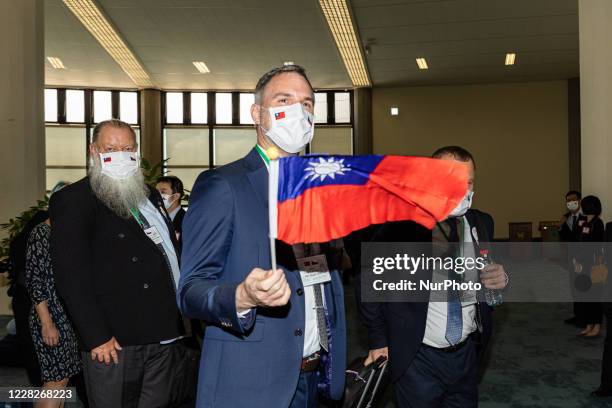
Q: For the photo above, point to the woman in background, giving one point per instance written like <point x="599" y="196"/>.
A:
<point x="52" y="333"/>
<point x="590" y="232"/>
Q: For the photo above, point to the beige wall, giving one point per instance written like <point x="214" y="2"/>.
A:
<point x="517" y="133"/>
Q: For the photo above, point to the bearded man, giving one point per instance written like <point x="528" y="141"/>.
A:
<point x="116" y="267"/>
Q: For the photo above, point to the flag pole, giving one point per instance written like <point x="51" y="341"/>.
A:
<point x="272" y="206"/>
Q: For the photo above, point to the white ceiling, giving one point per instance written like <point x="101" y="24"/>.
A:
<point x="464" y="41"/>
<point x="238" y="39"/>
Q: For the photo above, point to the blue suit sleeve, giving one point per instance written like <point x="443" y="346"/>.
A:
<point x="207" y="236"/>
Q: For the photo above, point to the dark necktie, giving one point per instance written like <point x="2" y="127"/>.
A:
<point x="454" y="318"/>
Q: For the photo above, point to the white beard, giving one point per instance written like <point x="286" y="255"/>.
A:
<point x="118" y="195"/>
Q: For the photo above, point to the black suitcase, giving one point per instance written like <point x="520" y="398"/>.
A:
<point x="365" y="385"/>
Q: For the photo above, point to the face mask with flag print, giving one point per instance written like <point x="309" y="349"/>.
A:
<point x="291" y="127"/>
<point x="119" y="165"/>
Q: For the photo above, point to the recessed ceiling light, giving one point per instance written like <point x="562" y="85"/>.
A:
<point x="422" y="63"/>
<point x="56" y="63"/>
<point x="343" y="30"/>
<point x="510" y="58"/>
<point x="288" y="63"/>
<point x="94" y="20"/>
<point x="201" y="66"/>
<point x="394" y="111"/>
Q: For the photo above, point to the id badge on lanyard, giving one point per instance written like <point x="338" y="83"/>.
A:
<point x="314" y="270"/>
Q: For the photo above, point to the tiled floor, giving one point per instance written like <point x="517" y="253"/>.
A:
<point x="534" y="360"/>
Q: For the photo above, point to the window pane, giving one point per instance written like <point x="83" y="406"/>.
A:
<point x="75" y="105"/>
<point x="50" y="105"/>
<point x="103" y="106"/>
<point x="320" y="107"/>
<point x="186" y="147"/>
<point x="174" y="107"/>
<point x="56" y="175"/>
<point x="246" y="100"/>
<point x="232" y="144"/>
<point x="224" y="108"/>
<point x="199" y="107"/>
<point x="137" y="131"/>
<point x="128" y="107"/>
<point x="342" y="107"/>
<point x="336" y="140"/>
<point x="65" y="146"/>
<point x="187" y="175"/>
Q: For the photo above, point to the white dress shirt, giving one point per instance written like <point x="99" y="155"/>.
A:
<point x="173" y="213"/>
<point x="437" y="312"/>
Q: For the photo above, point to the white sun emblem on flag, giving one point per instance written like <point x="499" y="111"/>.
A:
<point x="326" y="168"/>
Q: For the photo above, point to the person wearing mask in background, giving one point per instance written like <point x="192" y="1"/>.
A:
<point x="568" y="232"/>
<point x="434" y="347"/>
<point x="56" y="343"/>
<point x="114" y="254"/>
<point x="172" y="192"/>
<point x="590" y="232"/>
<point x="266" y="337"/>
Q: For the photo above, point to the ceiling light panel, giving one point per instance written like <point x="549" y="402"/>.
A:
<point x="201" y="66"/>
<point x="94" y="20"/>
<point x="510" y="58"/>
<point x="56" y="63"/>
<point x="422" y="63"/>
<point x="343" y="29"/>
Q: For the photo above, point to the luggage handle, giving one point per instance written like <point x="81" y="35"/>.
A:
<point x="379" y="365"/>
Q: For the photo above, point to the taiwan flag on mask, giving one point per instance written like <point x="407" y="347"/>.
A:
<point x="318" y="198"/>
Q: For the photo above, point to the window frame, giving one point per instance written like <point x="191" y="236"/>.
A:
<point x="212" y="122"/>
<point x="88" y="121"/>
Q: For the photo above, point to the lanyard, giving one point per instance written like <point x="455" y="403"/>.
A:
<point x="139" y="218"/>
<point x="263" y="154"/>
<point x="144" y="224"/>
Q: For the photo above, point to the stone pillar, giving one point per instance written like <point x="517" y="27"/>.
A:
<point x="151" y="125"/>
<point x="362" y="123"/>
<point x="595" y="21"/>
<point x="22" y="156"/>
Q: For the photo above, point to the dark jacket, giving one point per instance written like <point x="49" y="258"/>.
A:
<point x="401" y="325"/>
<point x="566" y="233"/>
<point x="177" y="222"/>
<point x="112" y="277"/>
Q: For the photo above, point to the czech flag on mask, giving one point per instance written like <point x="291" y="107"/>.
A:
<point x="318" y="198"/>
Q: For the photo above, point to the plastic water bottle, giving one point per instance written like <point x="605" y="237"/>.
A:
<point x="493" y="297"/>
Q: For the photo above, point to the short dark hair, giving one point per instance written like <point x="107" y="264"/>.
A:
<point x="591" y="205"/>
<point x="267" y="77"/>
<point x="459" y="153"/>
<point x="176" y="185"/>
<point x="574" y="192"/>
<point x="116" y="123"/>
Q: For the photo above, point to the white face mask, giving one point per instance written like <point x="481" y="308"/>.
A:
<point x="167" y="202"/>
<point x="573" y="205"/>
<point x="119" y="165"/>
<point x="291" y="127"/>
<point x="463" y="206"/>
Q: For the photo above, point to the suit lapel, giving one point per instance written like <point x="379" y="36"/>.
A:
<point x="258" y="177"/>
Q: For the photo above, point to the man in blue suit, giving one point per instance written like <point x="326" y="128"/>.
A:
<point x="271" y="341"/>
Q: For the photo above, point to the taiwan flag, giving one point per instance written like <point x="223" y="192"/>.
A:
<point x="318" y="198"/>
